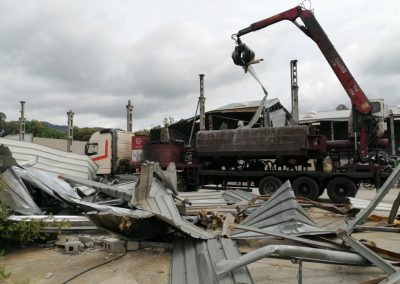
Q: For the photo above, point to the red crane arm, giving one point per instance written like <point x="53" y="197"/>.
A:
<point x="313" y="29"/>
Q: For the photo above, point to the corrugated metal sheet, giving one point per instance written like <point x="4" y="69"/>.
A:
<point x="335" y="115"/>
<point x="245" y="105"/>
<point x="395" y="110"/>
<point x="363" y="203"/>
<point x="208" y="200"/>
<point x="278" y="117"/>
<point x="130" y="226"/>
<point x="204" y="196"/>
<point x="163" y="206"/>
<point x="239" y="196"/>
<point x="193" y="262"/>
<point x="51" y="160"/>
<point x="123" y="191"/>
<point x="53" y="223"/>
<point x="280" y="214"/>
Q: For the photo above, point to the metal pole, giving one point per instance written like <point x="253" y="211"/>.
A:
<point x="394" y="210"/>
<point x="265" y="117"/>
<point x="392" y="136"/>
<point x="300" y="274"/>
<point x="202" y="101"/>
<point x="295" y="91"/>
<point x="365" y="252"/>
<point x="194" y="122"/>
<point x="332" y="131"/>
<point x="290" y="252"/>
<point x="210" y="122"/>
<point x="129" y="110"/>
<point x="70" y="134"/>
<point x="22" y="122"/>
<point x="394" y="176"/>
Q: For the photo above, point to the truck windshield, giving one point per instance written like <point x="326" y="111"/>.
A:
<point x="376" y="107"/>
<point x="91" y="149"/>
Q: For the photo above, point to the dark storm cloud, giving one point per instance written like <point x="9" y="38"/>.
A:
<point x="92" y="57"/>
<point x="62" y="64"/>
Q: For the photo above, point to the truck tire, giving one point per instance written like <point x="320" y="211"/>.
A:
<point x="339" y="188"/>
<point x="268" y="185"/>
<point x="306" y="187"/>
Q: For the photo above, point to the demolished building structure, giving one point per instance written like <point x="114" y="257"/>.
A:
<point x="151" y="206"/>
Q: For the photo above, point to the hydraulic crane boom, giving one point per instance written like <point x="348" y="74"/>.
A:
<point x="313" y="30"/>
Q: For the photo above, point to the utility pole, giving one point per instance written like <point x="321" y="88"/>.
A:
<point x="129" y="111"/>
<point x="201" y="104"/>
<point x="392" y="135"/>
<point x="70" y="134"/>
<point x="22" y="120"/>
<point x="294" y="91"/>
<point x="266" y="118"/>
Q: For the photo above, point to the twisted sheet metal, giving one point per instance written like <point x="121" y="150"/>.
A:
<point x="239" y="196"/>
<point x="163" y="206"/>
<point x="207" y="200"/>
<point x="193" y="262"/>
<point x="280" y="214"/>
<point x="291" y="252"/>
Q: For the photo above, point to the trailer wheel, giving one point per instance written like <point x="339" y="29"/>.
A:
<point x="339" y="188"/>
<point x="268" y="185"/>
<point x="306" y="187"/>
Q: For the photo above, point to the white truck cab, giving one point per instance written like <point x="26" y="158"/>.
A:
<point x="108" y="148"/>
<point x="380" y="110"/>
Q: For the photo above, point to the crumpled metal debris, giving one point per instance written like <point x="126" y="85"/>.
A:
<point x="193" y="262"/>
<point x="152" y="197"/>
<point x="48" y="159"/>
<point x="281" y="214"/>
<point x="153" y="203"/>
<point x="291" y="252"/>
<point x="18" y="197"/>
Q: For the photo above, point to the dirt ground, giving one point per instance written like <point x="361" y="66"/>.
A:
<point x="36" y="264"/>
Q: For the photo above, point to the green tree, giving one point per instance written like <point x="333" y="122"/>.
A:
<point x="223" y="126"/>
<point x="3" y="116"/>
<point x="142" y="132"/>
<point x="11" y="127"/>
<point x="35" y="127"/>
<point x="83" y="134"/>
<point x="19" y="232"/>
<point x="39" y="129"/>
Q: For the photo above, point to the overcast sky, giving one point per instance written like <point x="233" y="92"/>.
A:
<point x="92" y="56"/>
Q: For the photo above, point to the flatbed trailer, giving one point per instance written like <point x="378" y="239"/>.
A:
<point x="310" y="184"/>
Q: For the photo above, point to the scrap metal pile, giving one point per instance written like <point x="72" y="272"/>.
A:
<point x="205" y="225"/>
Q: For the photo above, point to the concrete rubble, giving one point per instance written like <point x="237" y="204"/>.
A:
<point x="202" y="227"/>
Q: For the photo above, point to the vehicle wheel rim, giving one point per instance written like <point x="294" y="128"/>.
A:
<point x="270" y="188"/>
<point x="341" y="190"/>
<point x="304" y="189"/>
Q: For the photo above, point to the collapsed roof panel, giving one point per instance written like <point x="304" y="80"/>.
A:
<point x="123" y="191"/>
<point x="163" y="206"/>
<point x="155" y="208"/>
<point x="280" y="214"/>
<point x="193" y="261"/>
<point x="130" y="226"/>
<point x="49" y="159"/>
<point x="238" y="196"/>
<point x="16" y="196"/>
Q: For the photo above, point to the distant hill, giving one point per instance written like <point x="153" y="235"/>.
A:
<point x="62" y="128"/>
